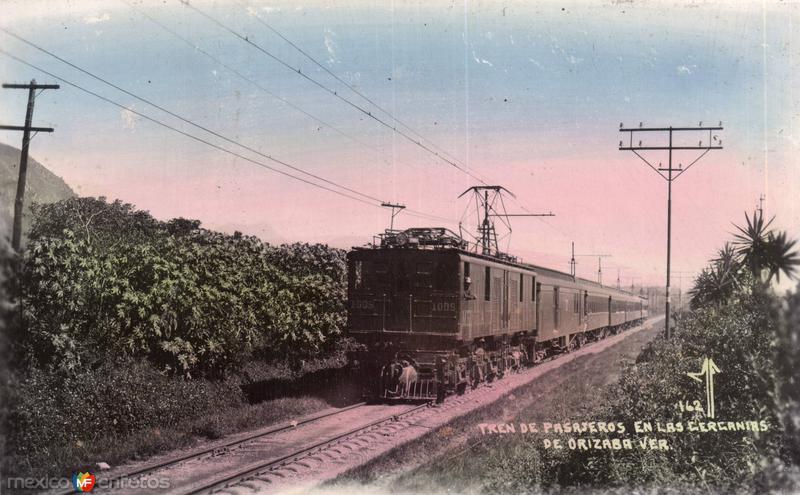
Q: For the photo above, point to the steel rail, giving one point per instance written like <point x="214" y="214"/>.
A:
<point x="198" y="454"/>
<point x="256" y="469"/>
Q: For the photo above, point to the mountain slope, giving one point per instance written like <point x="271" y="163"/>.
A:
<point x="42" y="186"/>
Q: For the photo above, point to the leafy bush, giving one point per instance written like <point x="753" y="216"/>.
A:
<point x="52" y="410"/>
<point x="740" y="340"/>
<point x="102" y="279"/>
<point x="7" y="278"/>
<point x="787" y="364"/>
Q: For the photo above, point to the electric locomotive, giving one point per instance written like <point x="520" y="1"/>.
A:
<point x="435" y="318"/>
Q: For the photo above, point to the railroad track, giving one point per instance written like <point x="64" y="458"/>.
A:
<point x="216" y="449"/>
<point x="277" y="468"/>
<point x="260" y="460"/>
<point x="373" y="436"/>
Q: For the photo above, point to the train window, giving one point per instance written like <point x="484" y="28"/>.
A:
<point x="521" y="286"/>
<point x="380" y="267"/>
<point x="487" y="284"/>
<point x="442" y="278"/>
<point x="533" y="288"/>
<point x="577" y="306"/>
<point x="555" y="297"/>
<point x="423" y="276"/>
<point x="466" y="269"/>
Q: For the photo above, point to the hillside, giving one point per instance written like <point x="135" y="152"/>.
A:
<point x="42" y="187"/>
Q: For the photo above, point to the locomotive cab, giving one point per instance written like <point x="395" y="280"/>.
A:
<point x="403" y="304"/>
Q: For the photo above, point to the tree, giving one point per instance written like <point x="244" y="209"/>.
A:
<point x="103" y="279"/>
<point x="765" y="252"/>
<point x="717" y="283"/>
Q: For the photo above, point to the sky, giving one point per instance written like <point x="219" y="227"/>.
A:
<point x="527" y="95"/>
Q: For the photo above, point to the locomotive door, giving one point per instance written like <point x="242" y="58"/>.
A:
<point x="538" y="304"/>
<point x="585" y="309"/>
<point x="556" y="307"/>
<point x="504" y="314"/>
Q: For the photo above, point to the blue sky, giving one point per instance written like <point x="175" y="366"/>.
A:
<point x="529" y="95"/>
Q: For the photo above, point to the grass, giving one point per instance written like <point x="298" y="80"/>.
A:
<point x="454" y="458"/>
<point x="58" y="437"/>
<point x="116" y="450"/>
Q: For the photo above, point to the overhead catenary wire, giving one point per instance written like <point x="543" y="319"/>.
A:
<point x="242" y="76"/>
<point x="185" y="120"/>
<point x="187" y="134"/>
<point x="357" y="92"/>
<point x="444" y="155"/>
<point x="330" y="91"/>
<point x="411" y="212"/>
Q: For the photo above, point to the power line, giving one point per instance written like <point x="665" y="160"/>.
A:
<point x="409" y="211"/>
<point x="187" y="121"/>
<point x="328" y="90"/>
<point x="713" y="143"/>
<point x="216" y="60"/>
<point x="354" y="90"/>
<point x="186" y="134"/>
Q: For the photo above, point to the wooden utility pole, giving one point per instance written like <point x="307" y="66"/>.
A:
<point x="713" y="143"/>
<point x="19" y="202"/>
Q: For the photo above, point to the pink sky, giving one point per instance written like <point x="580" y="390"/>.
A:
<point x="529" y="96"/>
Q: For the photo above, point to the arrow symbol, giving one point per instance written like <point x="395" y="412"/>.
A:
<point x="708" y="370"/>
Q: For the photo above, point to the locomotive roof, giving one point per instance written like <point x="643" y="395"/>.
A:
<point x="550" y="272"/>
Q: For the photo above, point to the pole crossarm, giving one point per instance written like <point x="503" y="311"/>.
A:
<point x="19" y="201"/>
<point x="23" y="128"/>
<point x="30" y="86"/>
<point x="649" y="129"/>
<point x="664" y="148"/>
<point x="670" y="174"/>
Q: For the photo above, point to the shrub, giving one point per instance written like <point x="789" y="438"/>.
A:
<point x="51" y="410"/>
<point x="787" y="364"/>
<point x="7" y="312"/>
<point x="740" y="340"/>
<point x="102" y="279"/>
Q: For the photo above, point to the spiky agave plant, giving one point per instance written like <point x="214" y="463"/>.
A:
<point x="781" y="256"/>
<point x="765" y="252"/>
<point x="752" y="242"/>
<point x="717" y="283"/>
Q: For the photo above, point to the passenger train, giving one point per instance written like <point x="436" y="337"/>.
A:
<point x="435" y="318"/>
